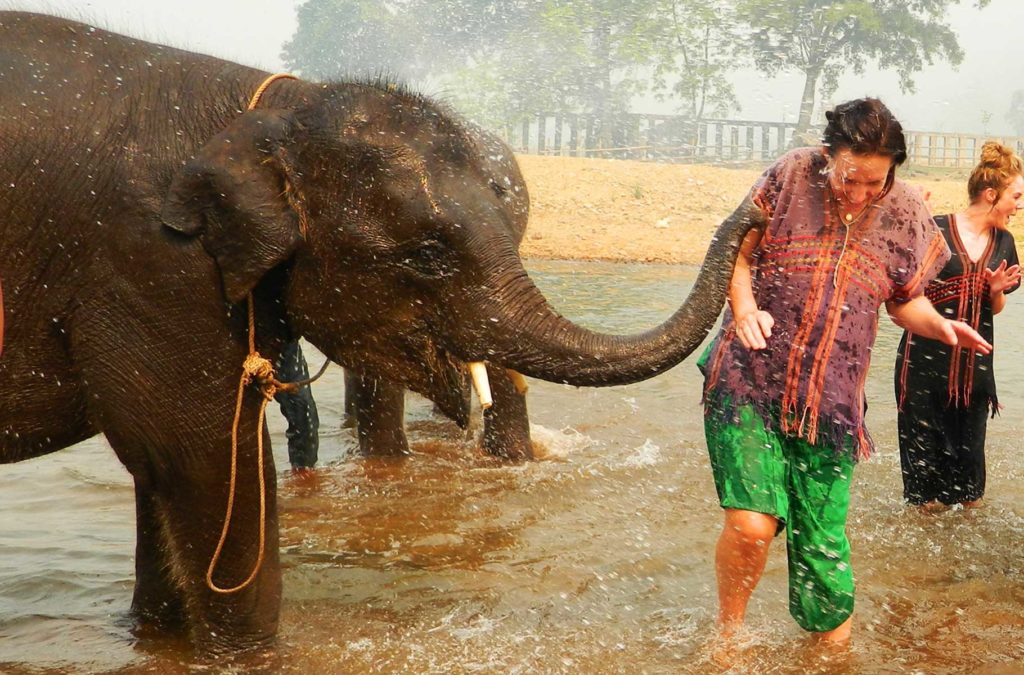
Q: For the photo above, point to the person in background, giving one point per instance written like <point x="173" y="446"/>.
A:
<point x="298" y="408"/>
<point x="945" y="393"/>
<point x="836" y="236"/>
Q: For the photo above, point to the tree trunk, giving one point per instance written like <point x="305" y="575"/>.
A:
<point x="803" y="122"/>
<point x="602" y="84"/>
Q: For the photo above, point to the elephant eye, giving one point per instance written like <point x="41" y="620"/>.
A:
<point x="498" y="188"/>
<point x="429" y="259"/>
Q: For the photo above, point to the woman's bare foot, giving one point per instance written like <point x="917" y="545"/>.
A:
<point x="933" y="507"/>
<point x="840" y="635"/>
<point x="726" y="649"/>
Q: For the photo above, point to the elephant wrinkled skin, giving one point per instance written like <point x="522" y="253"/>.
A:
<point x="142" y="204"/>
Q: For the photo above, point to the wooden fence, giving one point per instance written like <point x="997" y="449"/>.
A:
<point x="672" y="138"/>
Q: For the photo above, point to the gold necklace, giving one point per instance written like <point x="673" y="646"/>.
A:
<point x="848" y="218"/>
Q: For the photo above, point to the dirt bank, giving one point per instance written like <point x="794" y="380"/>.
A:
<point x="600" y="209"/>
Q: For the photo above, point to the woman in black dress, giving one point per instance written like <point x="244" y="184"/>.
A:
<point x="944" y="393"/>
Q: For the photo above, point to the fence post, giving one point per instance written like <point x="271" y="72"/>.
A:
<point x="525" y="139"/>
<point x="558" y="135"/>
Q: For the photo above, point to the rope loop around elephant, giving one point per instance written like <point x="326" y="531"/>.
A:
<point x="261" y="370"/>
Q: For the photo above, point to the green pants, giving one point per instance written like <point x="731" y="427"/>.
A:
<point x="807" y="488"/>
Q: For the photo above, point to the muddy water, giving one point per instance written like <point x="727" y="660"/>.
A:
<point x="598" y="559"/>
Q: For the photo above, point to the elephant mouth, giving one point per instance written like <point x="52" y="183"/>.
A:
<point x="447" y="384"/>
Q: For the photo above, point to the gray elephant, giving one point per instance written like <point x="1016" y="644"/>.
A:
<point x="172" y="220"/>
<point x="376" y="407"/>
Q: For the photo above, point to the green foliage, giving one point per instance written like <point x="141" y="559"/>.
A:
<point x="825" y="38"/>
<point x="502" y="60"/>
<point x="696" y="48"/>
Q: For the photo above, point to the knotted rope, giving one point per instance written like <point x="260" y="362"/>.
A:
<point x="255" y="368"/>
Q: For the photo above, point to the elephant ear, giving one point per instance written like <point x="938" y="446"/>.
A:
<point x="232" y="195"/>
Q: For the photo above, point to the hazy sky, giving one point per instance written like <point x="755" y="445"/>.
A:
<point x="253" y="32"/>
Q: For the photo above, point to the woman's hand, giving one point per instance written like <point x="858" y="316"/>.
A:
<point x="1002" y="278"/>
<point x="919" y="316"/>
<point x="754" y="328"/>
<point x="960" y="334"/>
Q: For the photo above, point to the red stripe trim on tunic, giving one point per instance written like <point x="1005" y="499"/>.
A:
<point x="816" y="382"/>
<point x="938" y="243"/>
<point x="791" y="386"/>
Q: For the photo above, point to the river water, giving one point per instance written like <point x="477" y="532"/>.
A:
<point x="597" y="559"/>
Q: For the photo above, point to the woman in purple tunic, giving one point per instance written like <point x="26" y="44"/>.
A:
<point x="945" y="394"/>
<point x="836" y="237"/>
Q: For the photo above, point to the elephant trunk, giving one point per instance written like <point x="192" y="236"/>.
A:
<point x="527" y="335"/>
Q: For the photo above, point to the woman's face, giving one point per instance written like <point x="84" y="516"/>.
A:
<point x="1007" y="204"/>
<point x="858" y="179"/>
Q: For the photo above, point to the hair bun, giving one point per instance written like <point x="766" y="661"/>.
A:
<point x="995" y="154"/>
<point x="997" y="166"/>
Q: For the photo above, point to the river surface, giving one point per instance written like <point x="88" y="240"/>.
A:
<point x="597" y="559"/>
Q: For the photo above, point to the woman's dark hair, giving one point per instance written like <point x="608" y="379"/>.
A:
<point x="866" y="127"/>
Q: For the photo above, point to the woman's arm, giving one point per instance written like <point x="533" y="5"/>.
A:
<point x="753" y="326"/>
<point x="1001" y="279"/>
<point x="919" y="317"/>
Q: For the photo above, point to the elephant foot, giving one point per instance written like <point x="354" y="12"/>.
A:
<point x="511" y="449"/>
<point x="157" y="619"/>
<point x="506" y="423"/>
<point x="382" y="441"/>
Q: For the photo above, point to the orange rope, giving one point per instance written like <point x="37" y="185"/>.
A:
<point x="263" y="87"/>
<point x="255" y="367"/>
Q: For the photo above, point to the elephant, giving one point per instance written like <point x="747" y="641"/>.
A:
<point x="171" y="220"/>
<point x="376" y="408"/>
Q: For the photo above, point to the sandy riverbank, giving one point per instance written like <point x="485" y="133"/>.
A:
<point x="601" y="209"/>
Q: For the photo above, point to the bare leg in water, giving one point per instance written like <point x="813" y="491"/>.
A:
<point x="740" y="557"/>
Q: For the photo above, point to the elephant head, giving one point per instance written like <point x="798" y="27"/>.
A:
<point x="399" y="228"/>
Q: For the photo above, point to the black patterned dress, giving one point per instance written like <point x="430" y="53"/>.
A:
<point x="945" y="394"/>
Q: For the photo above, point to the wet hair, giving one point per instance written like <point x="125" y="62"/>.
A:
<point x="865" y="126"/>
<point x="997" y="167"/>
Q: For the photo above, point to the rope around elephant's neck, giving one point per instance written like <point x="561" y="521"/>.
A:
<point x="257" y="368"/>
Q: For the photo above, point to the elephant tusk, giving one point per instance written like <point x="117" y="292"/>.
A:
<point x="478" y="371"/>
<point x="519" y="381"/>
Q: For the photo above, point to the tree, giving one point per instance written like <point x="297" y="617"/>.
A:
<point x="825" y="38"/>
<point x="1015" y="115"/>
<point x="405" y="39"/>
<point x="350" y="38"/>
<point x="503" y="60"/>
<point x="696" y="48"/>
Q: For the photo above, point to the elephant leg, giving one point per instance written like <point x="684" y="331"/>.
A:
<point x="158" y="600"/>
<point x="380" y="416"/>
<point x="348" y="418"/>
<point x="192" y="516"/>
<point x="182" y="478"/>
<point x="506" y="423"/>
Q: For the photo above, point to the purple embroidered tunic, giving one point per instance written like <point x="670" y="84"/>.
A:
<point x="822" y="282"/>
